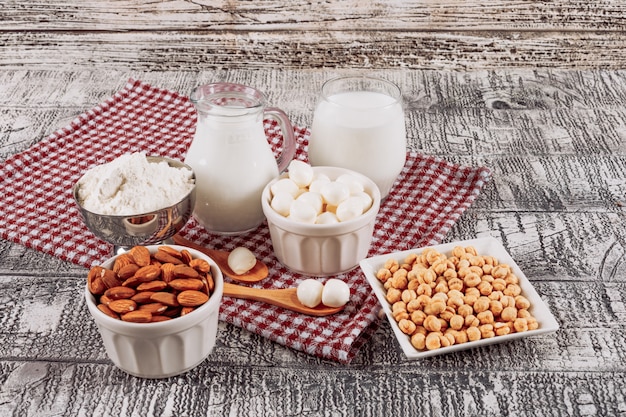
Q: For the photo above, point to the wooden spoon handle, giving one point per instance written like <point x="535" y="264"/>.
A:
<point x="285" y="298"/>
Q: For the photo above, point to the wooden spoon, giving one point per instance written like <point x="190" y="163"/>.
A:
<point x="256" y="274"/>
<point x="285" y="298"/>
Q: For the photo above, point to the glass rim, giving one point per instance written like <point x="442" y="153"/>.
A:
<point x="394" y="90"/>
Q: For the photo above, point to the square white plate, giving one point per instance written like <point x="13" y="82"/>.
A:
<point x="484" y="246"/>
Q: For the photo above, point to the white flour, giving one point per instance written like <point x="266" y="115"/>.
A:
<point x="131" y="185"/>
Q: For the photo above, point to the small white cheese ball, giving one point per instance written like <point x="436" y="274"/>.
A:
<point x="300" y="172"/>
<point x="301" y="211"/>
<point x="336" y="293"/>
<point x="313" y="199"/>
<point x="281" y="202"/>
<point x="327" y="217"/>
<point x="335" y="192"/>
<point x="317" y="184"/>
<point x="309" y="292"/>
<point x="351" y="181"/>
<point x="286" y="185"/>
<point x="349" y="209"/>
<point x="241" y="260"/>
<point x="366" y="199"/>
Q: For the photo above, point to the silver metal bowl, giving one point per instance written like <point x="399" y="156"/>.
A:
<point x="148" y="228"/>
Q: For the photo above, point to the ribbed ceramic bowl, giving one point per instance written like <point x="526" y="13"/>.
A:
<point x="163" y="349"/>
<point x="322" y="249"/>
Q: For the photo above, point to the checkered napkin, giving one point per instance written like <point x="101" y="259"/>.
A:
<point x="38" y="210"/>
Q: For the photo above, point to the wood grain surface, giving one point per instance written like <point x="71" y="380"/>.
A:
<point x="533" y="90"/>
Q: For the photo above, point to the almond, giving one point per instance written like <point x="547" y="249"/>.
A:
<point x="186" y="256"/>
<point x="110" y="278"/>
<point x="138" y="316"/>
<point x="94" y="281"/>
<point x="185" y="271"/>
<point x="165" y="257"/>
<point x="119" y="293"/>
<point x="200" y="265"/>
<point x="186" y="310"/>
<point x="121" y="261"/>
<point x="105" y="300"/>
<point x="142" y="297"/>
<point x="106" y="310"/>
<point x="166" y="298"/>
<point x="182" y="284"/>
<point x="153" y="308"/>
<point x="132" y="282"/>
<point x="159" y="318"/>
<point x="209" y="283"/>
<point x="122" y="306"/>
<point x="156" y="285"/>
<point x="127" y="271"/>
<point x="148" y="273"/>
<point x="192" y="298"/>
<point x="141" y="255"/>
<point x="167" y="272"/>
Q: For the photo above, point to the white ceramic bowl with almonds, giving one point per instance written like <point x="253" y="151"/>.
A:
<point x="322" y="249"/>
<point x="163" y="348"/>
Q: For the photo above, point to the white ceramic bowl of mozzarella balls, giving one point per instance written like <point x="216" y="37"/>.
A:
<point x="321" y="219"/>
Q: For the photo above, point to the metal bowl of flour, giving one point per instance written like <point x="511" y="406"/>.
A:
<point x="149" y="228"/>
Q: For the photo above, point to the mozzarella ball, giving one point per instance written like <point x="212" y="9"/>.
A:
<point x="327" y="218"/>
<point x="350" y="209"/>
<point x="285" y="184"/>
<point x="281" y="203"/>
<point x="300" y="172"/>
<point x="366" y="199"/>
<point x="335" y="192"/>
<point x="309" y="292"/>
<point x="317" y="184"/>
<point x="313" y="199"/>
<point x="336" y="293"/>
<point x="302" y="212"/>
<point x="241" y="260"/>
<point x="352" y="182"/>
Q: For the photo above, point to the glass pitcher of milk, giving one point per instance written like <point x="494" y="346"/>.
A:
<point x="231" y="156"/>
<point x="359" y="124"/>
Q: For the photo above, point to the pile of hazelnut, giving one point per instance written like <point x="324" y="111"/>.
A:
<point x="441" y="301"/>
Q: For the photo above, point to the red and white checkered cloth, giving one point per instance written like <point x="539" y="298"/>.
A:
<point x="38" y="210"/>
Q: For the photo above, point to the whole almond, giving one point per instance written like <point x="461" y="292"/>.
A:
<point x="120" y="292"/>
<point x="122" y="306"/>
<point x="166" y="298"/>
<point x="186" y="310"/>
<point x="209" y="283"/>
<point x="165" y="257"/>
<point x="156" y="285"/>
<point x="153" y="308"/>
<point x="121" y="261"/>
<point x="105" y="300"/>
<point x="94" y="281"/>
<point x="106" y="310"/>
<point x="185" y="271"/>
<point x="141" y="297"/>
<point x="200" y="265"/>
<point x="137" y="316"/>
<point x="141" y="255"/>
<point x="174" y="252"/>
<point x="148" y="273"/>
<point x="132" y="282"/>
<point x="186" y="256"/>
<point x="127" y="271"/>
<point x="110" y="278"/>
<point x="167" y="272"/>
<point x="192" y="298"/>
<point x="182" y="284"/>
<point x="159" y="318"/>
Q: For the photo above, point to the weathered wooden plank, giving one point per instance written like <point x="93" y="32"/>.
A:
<point x="265" y="15"/>
<point x="39" y="388"/>
<point x="195" y="50"/>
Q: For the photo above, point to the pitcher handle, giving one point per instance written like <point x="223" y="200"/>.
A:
<point x="289" y="140"/>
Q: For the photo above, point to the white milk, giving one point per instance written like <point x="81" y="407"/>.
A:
<point x="363" y="131"/>
<point x="233" y="162"/>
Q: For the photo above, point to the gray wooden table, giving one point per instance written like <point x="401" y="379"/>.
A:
<point x="554" y="137"/>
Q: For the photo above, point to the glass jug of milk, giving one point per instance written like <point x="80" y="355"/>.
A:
<point x="231" y="156"/>
<point x="359" y="124"/>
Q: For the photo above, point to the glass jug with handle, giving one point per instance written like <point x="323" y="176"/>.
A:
<point x="231" y="156"/>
